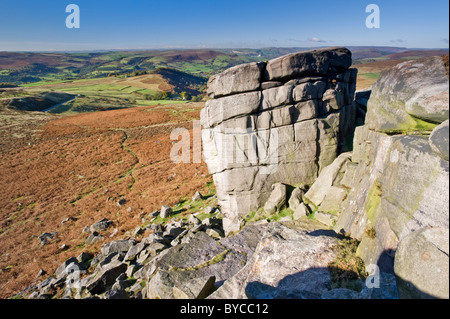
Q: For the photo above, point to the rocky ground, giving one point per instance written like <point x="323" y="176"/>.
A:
<point x="76" y="169"/>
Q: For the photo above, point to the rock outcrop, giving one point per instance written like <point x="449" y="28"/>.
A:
<point x="396" y="200"/>
<point x="277" y="122"/>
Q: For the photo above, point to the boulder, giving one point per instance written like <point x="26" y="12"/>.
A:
<point x="166" y="211"/>
<point x="318" y="62"/>
<point x="439" y="140"/>
<point x="425" y="201"/>
<point x="301" y="211"/>
<point x="101" y="225"/>
<point x="198" y="288"/>
<point x="189" y="262"/>
<point x="93" y="238"/>
<point x="134" y="251"/>
<point x="413" y="96"/>
<point x="218" y="110"/>
<point x="399" y="186"/>
<point x="277" y="199"/>
<point x="117" y="246"/>
<point x="197" y="196"/>
<point x="104" y="280"/>
<point x="324" y="183"/>
<point x="46" y="237"/>
<point x="333" y="200"/>
<point x="62" y="270"/>
<point x="290" y="263"/>
<point x="237" y="79"/>
<point x="422" y="264"/>
<point x="326" y="218"/>
<point x="297" y="197"/>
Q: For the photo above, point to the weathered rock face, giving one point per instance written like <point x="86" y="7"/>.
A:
<point x="422" y="264"/>
<point x="280" y="122"/>
<point x="395" y="187"/>
<point x="439" y="140"/>
<point x="398" y="186"/>
<point x="287" y="263"/>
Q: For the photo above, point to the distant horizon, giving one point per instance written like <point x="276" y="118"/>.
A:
<point x="115" y="25"/>
<point x="217" y="48"/>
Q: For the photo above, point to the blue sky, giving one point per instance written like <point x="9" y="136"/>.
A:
<point x="39" y="25"/>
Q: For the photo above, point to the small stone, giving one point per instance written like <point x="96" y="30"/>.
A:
<point x="63" y="247"/>
<point x="209" y="210"/>
<point x="197" y="196"/>
<point x="117" y="246"/>
<point x="166" y="211"/>
<point x="138" y="231"/>
<point x="93" y="238"/>
<point x="40" y="273"/>
<point x="277" y="199"/>
<point x="285" y="219"/>
<point x="84" y="257"/>
<point x="215" y="233"/>
<point x="66" y="220"/>
<point x="301" y="211"/>
<point x="101" y="225"/>
<point x="194" y="220"/>
<point x="46" y="237"/>
<point x="154" y="214"/>
<point x="296" y="197"/>
<point x="121" y="202"/>
<point x="114" y="232"/>
<point x="325" y="218"/>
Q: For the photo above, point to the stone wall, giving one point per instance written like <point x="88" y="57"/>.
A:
<point x="278" y="121"/>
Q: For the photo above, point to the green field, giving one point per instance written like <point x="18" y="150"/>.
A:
<point x="108" y="80"/>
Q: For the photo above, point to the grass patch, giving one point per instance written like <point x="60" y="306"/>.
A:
<point x="216" y="259"/>
<point x="371" y="232"/>
<point x="373" y="200"/>
<point x="158" y="102"/>
<point x="371" y="76"/>
<point x="347" y="270"/>
<point x="283" y="213"/>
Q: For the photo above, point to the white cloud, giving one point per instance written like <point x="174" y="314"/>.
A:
<point x="398" y="41"/>
<point x="315" y="39"/>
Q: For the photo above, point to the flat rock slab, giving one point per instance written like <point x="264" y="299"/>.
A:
<point x="290" y="261"/>
<point x="318" y="62"/>
<point x="201" y="257"/>
<point x="240" y="78"/>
